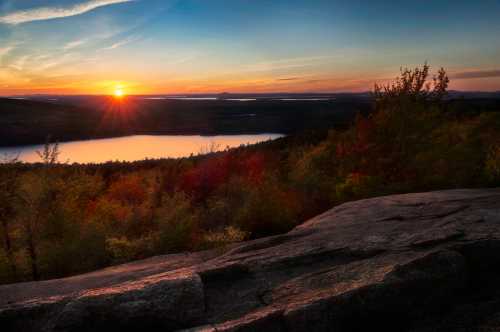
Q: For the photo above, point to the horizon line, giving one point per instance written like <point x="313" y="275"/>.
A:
<point x="222" y="93"/>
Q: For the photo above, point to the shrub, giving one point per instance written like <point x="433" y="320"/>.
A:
<point x="493" y="164"/>
<point x="123" y="250"/>
<point x="220" y="239"/>
<point x="120" y="249"/>
<point x="357" y="185"/>
<point x="268" y="209"/>
<point x="128" y="190"/>
<point x="177" y="224"/>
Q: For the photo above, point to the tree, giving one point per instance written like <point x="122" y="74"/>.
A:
<point x="412" y="86"/>
<point x="407" y="111"/>
<point x="38" y="196"/>
<point x="8" y="196"/>
<point x="50" y="153"/>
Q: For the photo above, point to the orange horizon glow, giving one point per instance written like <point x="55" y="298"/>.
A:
<point x="260" y="84"/>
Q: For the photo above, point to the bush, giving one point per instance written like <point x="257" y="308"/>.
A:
<point x="5" y="269"/>
<point x="493" y="164"/>
<point x="123" y="250"/>
<point x="220" y="239"/>
<point x="128" y="190"/>
<point x="267" y="210"/>
<point x="357" y="186"/>
<point x="177" y="224"/>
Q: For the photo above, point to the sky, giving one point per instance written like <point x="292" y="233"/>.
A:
<point x="212" y="46"/>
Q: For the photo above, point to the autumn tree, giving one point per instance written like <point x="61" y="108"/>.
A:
<point x="412" y="86"/>
<point x="8" y="197"/>
<point x="38" y="197"/>
<point x="407" y="110"/>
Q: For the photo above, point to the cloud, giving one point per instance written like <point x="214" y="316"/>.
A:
<point x="319" y="80"/>
<point x="288" y="63"/>
<point x="122" y="43"/>
<point x="19" y="63"/>
<point x="74" y="44"/>
<point x="289" y="79"/>
<point x="49" y="13"/>
<point x="5" y="50"/>
<point x="477" y="74"/>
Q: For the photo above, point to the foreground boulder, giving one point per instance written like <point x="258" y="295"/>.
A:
<point x="417" y="262"/>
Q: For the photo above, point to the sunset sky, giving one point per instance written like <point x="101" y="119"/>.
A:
<point x="197" y="46"/>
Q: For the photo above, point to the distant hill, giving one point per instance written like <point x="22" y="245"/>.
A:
<point x="475" y="94"/>
<point x="30" y="121"/>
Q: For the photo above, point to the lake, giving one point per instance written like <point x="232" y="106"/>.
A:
<point x="138" y="147"/>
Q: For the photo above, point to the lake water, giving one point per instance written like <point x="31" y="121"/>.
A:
<point x="139" y="147"/>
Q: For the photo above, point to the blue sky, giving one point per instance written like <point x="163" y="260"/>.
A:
<point x="179" y="46"/>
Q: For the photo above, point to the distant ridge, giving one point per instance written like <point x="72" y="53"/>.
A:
<point x="32" y="119"/>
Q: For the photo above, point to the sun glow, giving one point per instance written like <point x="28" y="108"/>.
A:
<point x="119" y="93"/>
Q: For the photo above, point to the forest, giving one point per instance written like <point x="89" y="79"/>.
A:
<point x="59" y="219"/>
<point x="68" y="118"/>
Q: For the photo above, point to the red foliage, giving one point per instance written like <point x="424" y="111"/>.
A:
<point x="361" y="143"/>
<point x="254" y="167"/>
<point x="205" y="177"/>
<point x="128" y="190"/>
<point x="356" y="177"/>
<point x="364" y="129"/>
<point x="201" y="180"/>
<point x="91" y="208"/>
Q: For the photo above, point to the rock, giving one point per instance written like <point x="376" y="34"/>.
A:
<point x="165" y="301"/>
<point x="416" y="262"/>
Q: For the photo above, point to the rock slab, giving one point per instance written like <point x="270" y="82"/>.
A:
<point x="415" y="262"/>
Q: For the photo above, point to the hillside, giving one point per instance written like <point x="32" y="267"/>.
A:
<point x="415" y="262"/>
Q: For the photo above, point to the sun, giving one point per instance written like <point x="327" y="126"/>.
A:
<point x="119" y="93"/>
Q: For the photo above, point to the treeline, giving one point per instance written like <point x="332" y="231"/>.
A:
<point x="59" y="220"/>
<point x="25" y="122"/>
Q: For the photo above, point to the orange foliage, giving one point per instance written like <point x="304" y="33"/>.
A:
<point x="128" y="190"/>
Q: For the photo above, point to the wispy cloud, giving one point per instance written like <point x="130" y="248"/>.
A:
<point x="49" y="13"/>
<point x="74" y="44"/>
<point x="289" y="79"/>
<point x="288" y="63"/>
<point x="19" y="63"/>
<point x="477" y="74"/>
<point x="5" y="50"/>
<point x="121" y="43"/>
<point x="319" y="80"/>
